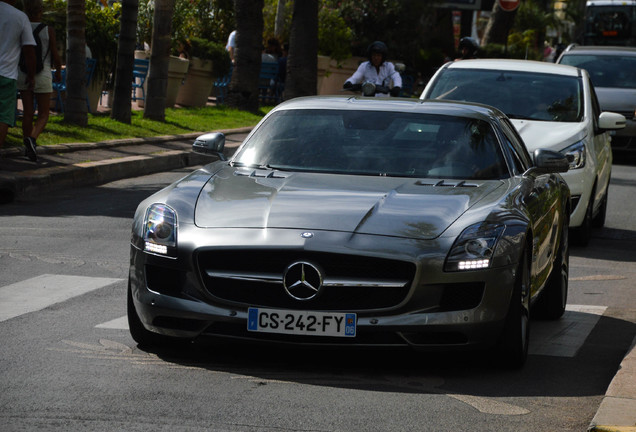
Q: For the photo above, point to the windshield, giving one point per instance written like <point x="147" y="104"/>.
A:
<point x="520" y="95"/>
<point x="375" y="143"/>
<point x="617" y="71"/>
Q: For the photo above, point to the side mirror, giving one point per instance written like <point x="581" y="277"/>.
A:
<point x="211" y="144"/>
<point x="611" y="121"/>
<point x="549" y="161"/>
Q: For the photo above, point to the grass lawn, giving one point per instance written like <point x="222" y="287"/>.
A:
<point x="102" y="128"/>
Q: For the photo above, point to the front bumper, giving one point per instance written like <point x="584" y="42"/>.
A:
<point x="437" y="309"/>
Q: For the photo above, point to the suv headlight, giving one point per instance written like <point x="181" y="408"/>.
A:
<point x="474" y="248"/>
<point x="160" y="230"/>
<point x="576" y="154"/>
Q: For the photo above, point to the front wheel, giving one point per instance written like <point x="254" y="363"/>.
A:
<point x="552" y="303"/>
<point x="513" y="344"/>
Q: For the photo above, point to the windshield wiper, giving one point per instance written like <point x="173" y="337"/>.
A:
<point x="518" y="116"/>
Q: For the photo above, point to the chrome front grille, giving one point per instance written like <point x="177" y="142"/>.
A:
<point x="350" y="282"/>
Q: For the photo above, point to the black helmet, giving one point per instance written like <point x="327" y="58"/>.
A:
<point x="378" y="47"/>
<point x="471" y="46"/>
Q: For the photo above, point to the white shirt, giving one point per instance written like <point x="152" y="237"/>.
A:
<point x="231" y="41"/>
<point x="383" y="76"/>
<point x="16" y="31"/>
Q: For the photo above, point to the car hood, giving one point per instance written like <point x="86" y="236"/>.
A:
<point x="617" y="99"/>
<point x="548" y="134"/>
<point x="237" y="198"/>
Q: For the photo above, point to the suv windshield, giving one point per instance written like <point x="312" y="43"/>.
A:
<point x="520" y="95"/>
<point x="617" y="71"/>
<point x="376" y="143"/>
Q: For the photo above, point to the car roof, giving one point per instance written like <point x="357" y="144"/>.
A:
<point x="353" y="103"/>
<point x="600" y="50"/>
<point x="514" y="65"/>
<point x="610" y="3"/>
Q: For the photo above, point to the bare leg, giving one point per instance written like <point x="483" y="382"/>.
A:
<point x="43" y="113"/>
<point x="28" y="112"/>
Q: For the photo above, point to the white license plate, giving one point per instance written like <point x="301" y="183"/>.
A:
<point x="301" y="322"/>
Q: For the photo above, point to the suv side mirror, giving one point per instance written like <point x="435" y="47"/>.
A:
<point x="611" y="121"/>
<point x="211" y="144"/>
<point x="549" y="161"/>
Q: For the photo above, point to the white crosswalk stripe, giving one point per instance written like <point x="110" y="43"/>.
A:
<point x="564" y="337"/>
<point x="120" y="323"/>
<point x="42" y="291"/>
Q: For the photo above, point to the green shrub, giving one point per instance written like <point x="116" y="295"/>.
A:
<point x="334" y="37"/>
<point x="102" y="28"/>
<point x="208" y="50"/>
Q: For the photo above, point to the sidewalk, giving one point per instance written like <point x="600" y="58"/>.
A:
<point x="72" y="165"/>
<point x="76" y="165"/>
<point x="617" y="412"/>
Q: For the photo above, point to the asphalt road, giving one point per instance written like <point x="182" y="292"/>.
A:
<point x="68" y="363"/>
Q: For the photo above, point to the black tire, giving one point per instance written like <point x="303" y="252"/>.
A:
<point x="552" y="303"/>
<point x="599" y="219"/>
<point x="513" y="344"/>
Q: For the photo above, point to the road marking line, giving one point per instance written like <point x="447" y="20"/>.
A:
<point x="42" y="291"/>
<point x="490" y="406"/>
<point x="564" y="338"/>
<point x="120" y="323"/>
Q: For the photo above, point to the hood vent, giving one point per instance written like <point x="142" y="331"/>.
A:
<point x="443" y="183"/>
<point x="259" y="173"/>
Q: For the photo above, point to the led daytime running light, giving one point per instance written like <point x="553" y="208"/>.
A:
<point x="473" y="265"/>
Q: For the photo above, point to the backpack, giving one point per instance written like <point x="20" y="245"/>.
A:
<point x="39" y="58"/>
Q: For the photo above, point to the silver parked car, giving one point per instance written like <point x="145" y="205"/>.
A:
<point x="613" y="73"/>
<point x="552" y="106"/>
<point x="358" y="221"/>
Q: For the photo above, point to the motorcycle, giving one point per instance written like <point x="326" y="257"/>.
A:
<point x="370" y="89"/>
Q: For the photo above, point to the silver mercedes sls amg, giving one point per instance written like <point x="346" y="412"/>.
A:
<point x="358" y="221"/>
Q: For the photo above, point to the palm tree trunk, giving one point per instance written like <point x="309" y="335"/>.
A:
<point x="75" y="109"/>
<point x="279" y="23"/>
<point x="155" y="103"/>
<point x="125" y="61"/>
<point x="302" y="64"/>
<point x="243" y="91"/>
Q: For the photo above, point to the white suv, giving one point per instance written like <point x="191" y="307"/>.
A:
<point x="552" y="106"/>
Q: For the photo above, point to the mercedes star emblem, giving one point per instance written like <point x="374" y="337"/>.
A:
<point x="302" y="280"/>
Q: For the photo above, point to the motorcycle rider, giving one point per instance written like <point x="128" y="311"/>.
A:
<point x="377" y="71"/>
<point x="468" y="48"/>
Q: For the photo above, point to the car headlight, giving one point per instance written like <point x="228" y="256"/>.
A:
<point x="160" y="230"/>
<point x="576" y="155"/>
<point x="474" y="248"/>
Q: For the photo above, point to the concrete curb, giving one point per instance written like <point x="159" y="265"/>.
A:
<point x="42" y="180"/>
<point x="70" y="147"/>
<point x="617" y="412"/>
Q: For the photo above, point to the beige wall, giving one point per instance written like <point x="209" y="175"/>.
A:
<point x="331" y="75"/>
